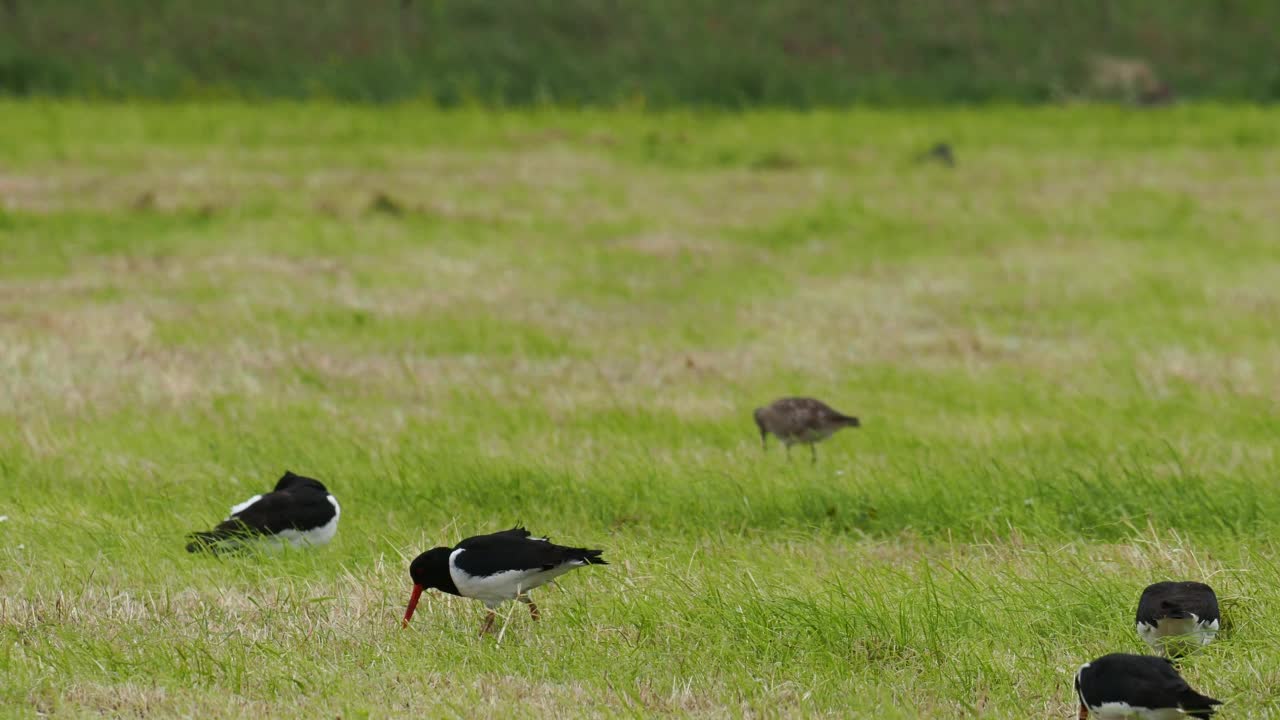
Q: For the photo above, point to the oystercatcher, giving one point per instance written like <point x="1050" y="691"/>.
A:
<point x="1172" y="615"/>
<point x="798" y="420"/>
<point x="494" y="569"/>
<point x="1138" y="686"/>
<point x="300" y="511"/>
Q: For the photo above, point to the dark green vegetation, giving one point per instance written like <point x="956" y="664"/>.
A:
<point x="655" y="52"/>
<point x="1063" y="352"/>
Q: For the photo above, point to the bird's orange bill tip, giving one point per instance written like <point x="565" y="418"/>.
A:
<point x="1083" y="714"/>
<point x="413" y="605"/>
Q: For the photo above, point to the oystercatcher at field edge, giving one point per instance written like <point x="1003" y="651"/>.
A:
<point x="494" y="569"/>
<point x="300" y="511"/>
<point x="1169" y="612"/>
<point x="1138" y="686"/>
<point x="799" y="420"/>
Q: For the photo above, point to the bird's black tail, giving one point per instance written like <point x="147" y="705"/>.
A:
<point x="213" y="541"/>
<point x="1198" y="706"/>
<point x="589" y="557"/>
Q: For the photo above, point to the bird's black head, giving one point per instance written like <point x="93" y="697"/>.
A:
<point x="429" y="571"/>
<point x="292" y="481"/>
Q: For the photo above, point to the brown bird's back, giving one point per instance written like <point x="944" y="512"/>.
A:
<point x="800" y="420"/>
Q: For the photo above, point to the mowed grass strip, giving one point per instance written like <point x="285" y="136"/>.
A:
<point x="1062" y="350"/>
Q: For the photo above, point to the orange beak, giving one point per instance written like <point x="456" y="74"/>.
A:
<point x="413" y="605"/>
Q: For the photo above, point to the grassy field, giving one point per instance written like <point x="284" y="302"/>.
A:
<point x="659" y="53"/>
<point x="1065" y="352"/>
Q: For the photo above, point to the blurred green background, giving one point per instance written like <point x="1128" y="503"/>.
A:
<point x="725" y="53"/>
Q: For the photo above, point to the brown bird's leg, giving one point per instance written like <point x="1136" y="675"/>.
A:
<point x="788" y="451"/>
<point x="813" y="453"/>
<point x="764" y="441"/>
<point x="533" y="608"/>
<point x="488" y="622"/>
<point x="1084" y="713"/>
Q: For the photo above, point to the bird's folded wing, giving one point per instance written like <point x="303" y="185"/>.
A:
<point x="501" y="552"/>
<point x="275" y="512"/>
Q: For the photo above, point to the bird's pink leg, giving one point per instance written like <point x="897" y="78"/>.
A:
<point x="488" y="623"/>
<point x="533" y="608"/>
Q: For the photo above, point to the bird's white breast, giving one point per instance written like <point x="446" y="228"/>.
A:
<point x="1191" y="628"/>
<point x="1125" y="711"/>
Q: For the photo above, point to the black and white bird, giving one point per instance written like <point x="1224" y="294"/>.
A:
<point x="800" y="420"/>
<point x="1173" y="615"/>
<point x="300" y="512"/>
<point x="494" y="569"/>
<point x="1145" y="687"/>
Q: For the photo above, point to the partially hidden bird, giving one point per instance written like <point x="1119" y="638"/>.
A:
<point x="1175" y="616"/>
<point x="300" y="511"/>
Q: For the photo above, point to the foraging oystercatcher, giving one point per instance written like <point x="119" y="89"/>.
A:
<point x="1172" y="615"/>
<point x="1138" y="686"/>
<point x="494" y="569"/>
<point x="300" y="511"/>
<point x="798" y="420"/>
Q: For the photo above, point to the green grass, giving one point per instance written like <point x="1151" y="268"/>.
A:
<point x="1063" y="352"/>
<point x="659" y="53"/>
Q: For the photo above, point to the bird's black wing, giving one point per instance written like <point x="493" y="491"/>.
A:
<point x="1200" y="599"/>
<point x="1167" y="683"/>
<point x="1154" y="684"/>
<point x="279" y="511"/>
<point x="1149" y="609"/>
<point x="1163" y="598"/>
<point x="491" y="554"/>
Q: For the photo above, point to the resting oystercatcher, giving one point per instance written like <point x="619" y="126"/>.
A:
<point x="494" y="569"/>
<point x="299" y="511"/>
<point x="1138" y="686"/>
<point x="1174" y="614"/>
<point x="798" y="420"/>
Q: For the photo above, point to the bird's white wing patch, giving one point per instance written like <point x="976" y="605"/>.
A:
<point x="237" y="509"/>
<point x="1149" y="635"/>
